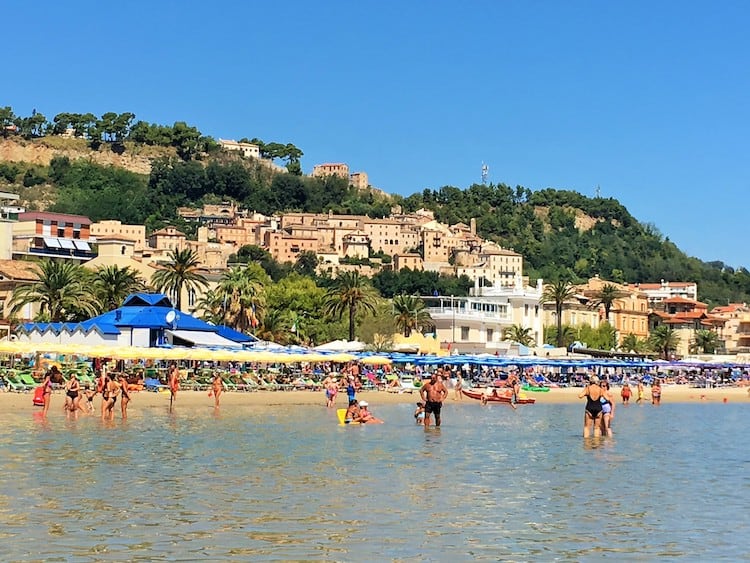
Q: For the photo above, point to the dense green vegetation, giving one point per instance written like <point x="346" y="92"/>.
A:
<point x="542" y="227"/>
<point x="561" y="234"/>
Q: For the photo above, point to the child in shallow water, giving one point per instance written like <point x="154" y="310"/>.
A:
<point x="419" y="413"/>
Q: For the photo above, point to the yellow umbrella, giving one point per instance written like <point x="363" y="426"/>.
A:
<point x="340" y="358"/>
<point x="376" y="360"/>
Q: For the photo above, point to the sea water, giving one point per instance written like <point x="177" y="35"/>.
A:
<point x="289" y="483"/>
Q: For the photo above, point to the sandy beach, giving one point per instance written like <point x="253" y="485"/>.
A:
<point x="14" y="402"/>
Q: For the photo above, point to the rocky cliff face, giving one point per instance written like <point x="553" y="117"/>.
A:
<point x="41" y="151"/>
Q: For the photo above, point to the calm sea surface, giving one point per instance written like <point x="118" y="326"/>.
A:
<point x="261" y="484"/>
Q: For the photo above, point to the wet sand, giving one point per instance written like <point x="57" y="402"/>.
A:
<point x="13" y="402"/>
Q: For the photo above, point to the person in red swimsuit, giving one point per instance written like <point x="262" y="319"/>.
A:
<point x="174" y="383"/>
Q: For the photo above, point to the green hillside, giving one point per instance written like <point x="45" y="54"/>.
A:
<point x="559" y="233"/>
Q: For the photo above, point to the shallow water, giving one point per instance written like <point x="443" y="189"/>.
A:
<point x="262" y="484"/>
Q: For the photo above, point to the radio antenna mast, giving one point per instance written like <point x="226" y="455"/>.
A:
<point x="485" y="173"/>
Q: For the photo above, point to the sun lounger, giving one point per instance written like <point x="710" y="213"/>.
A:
<point x="152" y="384"/>
<point x="27" y="379"/>
<point x="15" y="384"/>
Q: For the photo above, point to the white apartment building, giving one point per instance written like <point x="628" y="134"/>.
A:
<point x="659" y="292"/>
<point x="476" y="324"/>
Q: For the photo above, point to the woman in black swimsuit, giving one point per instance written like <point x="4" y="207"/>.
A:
<point x="73" y="394"/>
<point x="593" y="412"/>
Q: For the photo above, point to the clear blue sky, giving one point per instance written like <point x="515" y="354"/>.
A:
<point x="649" y="100"/>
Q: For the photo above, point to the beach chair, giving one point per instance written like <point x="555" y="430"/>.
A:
<point x="27" y="379"/>
<point x="15" y="384"/>
<point x="247" y="382"/>
<point x="229" y="385"/>
<point x="153" y="384"/>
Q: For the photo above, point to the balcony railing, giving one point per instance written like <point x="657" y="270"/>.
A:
<point x="59" y="252"/>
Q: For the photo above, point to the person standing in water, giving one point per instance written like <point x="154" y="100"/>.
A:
<point x="592" y="414"/>
<point x="641" y="392"/>
<point x="656" y="392"/>
<point x="433" y="394"/>
<point x="625" y="393"/>
<point x="608" y="408"/>
<point x="125" y="396"/>
<point x="173" y="381"/>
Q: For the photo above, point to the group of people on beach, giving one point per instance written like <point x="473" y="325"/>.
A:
<point x="111" y="387"/>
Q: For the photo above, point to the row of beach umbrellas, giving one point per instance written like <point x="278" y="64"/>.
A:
<point x="177" y="353"/>
<point x="279" y="355"/>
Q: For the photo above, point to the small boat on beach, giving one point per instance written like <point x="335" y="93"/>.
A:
<point x="498" y="395"/>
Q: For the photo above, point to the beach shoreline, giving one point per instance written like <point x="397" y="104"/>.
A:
<point x="14" y="402"/>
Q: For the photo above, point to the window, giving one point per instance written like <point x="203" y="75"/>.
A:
<point x="490" y="334"/>
<point x="464" y="333"/>
<point x="191" y="297"/>
<point x="122" y="250"/>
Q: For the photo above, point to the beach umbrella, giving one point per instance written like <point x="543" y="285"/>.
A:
<point x="376" y="360"/>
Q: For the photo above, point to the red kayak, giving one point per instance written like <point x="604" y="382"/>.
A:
<point x="498" y="395"/>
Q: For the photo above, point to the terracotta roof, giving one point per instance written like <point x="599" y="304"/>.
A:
<point x="166" y="232"/>
<point x="18" y="270"/>
<point x="731" y="308"/>
<point x="36" y="215"/>
<point x="678" y="299"/>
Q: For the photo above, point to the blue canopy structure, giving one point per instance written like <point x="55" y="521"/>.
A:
<point x="145" y="319"/>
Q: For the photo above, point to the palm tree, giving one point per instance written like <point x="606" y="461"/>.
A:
<point x="212" y="306"/>
<point x="275" y="327"/>
<point x="566" y="335"/>
<point x="410" y="314"/>
<point x="631" y="343"/>
<point x="113" y="284"/>
<point x="664" y="340"/>
<point x="607" y="295"/>
<point x="182" y="272"/>
<point x="242" y="289"/>
<point x="558" y="292"/>
<point x="349" y="293"/>
<point x="61" y="290"/>
<point x="706" y="340"/>
<point x="518" y="333"/>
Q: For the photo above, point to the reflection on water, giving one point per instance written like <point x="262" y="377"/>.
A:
<point x="491" y="484"/>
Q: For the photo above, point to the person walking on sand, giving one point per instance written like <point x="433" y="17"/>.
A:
<point x="331" y="387"/>
<point x="217" y="388"/>
<point x="433" y="394"/>
<point x="173" y="381"/>
<point x="458" y="387"/>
